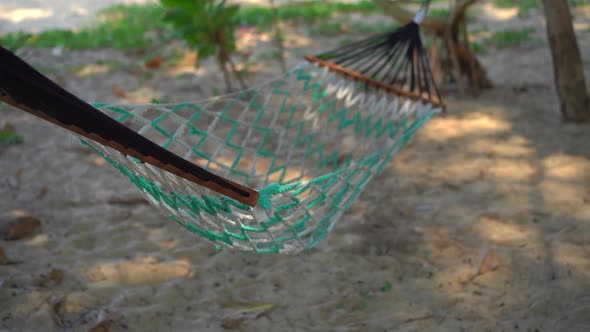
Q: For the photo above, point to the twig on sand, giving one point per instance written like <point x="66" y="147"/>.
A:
<point x="486" y="262"/>
<point x="419" y="318"/>
<point x="128" y="201"/>
<point x="55" y="310"/>
<point x="427" y="316"/>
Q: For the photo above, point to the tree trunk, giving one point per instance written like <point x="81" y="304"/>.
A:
<point x="465" y="63"/>
<point x="278" y="35"/>
<point x="567" y="62"/>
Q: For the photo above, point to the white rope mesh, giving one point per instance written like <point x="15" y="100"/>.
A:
<point x="309" y="141"/>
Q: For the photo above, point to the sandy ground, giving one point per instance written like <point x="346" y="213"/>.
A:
<point x="498" y="175"/>
<point x="37" y="15"/>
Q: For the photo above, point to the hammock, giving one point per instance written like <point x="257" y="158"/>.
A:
<point x="267" y="170"/>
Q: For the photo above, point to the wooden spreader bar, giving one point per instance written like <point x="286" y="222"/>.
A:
<point x="376" y="84"/>
<point x="25" y="88"/>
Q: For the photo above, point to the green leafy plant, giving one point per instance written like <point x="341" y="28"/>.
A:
<point x="8" y="136"/>
<point x="306" y="11"/>
<point x="478" y="47"/>
<point x="374" y="28"/>
<point x="505" y="39"/>
<point x="121" y="27"/>
<point x="524" y="6"/>
<point x="509" y="38"/>
<point x="327" y="28"/>
<point x="208" y="26"/>
<point x="137" y="27"/>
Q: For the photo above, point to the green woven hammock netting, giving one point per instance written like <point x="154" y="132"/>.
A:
<point x="309" y="142"/>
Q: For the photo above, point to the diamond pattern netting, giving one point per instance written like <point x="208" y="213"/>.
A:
<point x="309" y="142"/>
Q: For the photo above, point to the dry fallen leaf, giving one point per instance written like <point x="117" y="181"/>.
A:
<point x="21" y="227"/>
<point x="42" y="192"/>
<point x="3" y="258"/>
<point x="245" y="310"/>
<point x="56" y="275"/>
<point x="100" y="327"/>
<point x="104" y="319"/>
<point x="490" y="263"/>
<point x="232" y="323"/>
<point x="118" y="91"/>
<point x="19" y="213"/>
<point x="154" y="62"/>
<point x="55" y="309"/>
<point x="452" y="186"/>
<point x="189" y="59"/>
<point x="7" y="127"/>
<point x="99" y="161"/>
<point x="489" y="260"/>
<point x="128" y="201"/>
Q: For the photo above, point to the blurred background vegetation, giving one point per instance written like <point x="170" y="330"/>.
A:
<point x="136" y="27"/>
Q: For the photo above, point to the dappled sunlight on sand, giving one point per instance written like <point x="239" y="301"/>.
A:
<point x="568" y="256"/>
<point x="23" y="14"/>
<point x="93" y="69"/>
<point x="145" y="271"/>
<point x="489" y="178"/>
<point x="565" y="167"/>
<point x="503" y="232"/>
<point x="562" y="194"/>
<point x="141" y="95"/>
<point x="251" y="38"/>
<point x="499" y="14"/>
<point x="510" y="147"/>
<point x="581" y="26"/>
<point x="451" y="127"/>
<point x="186" y="65"/>
<point x="39" y="241"/>
<point x="513" y="170"/>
